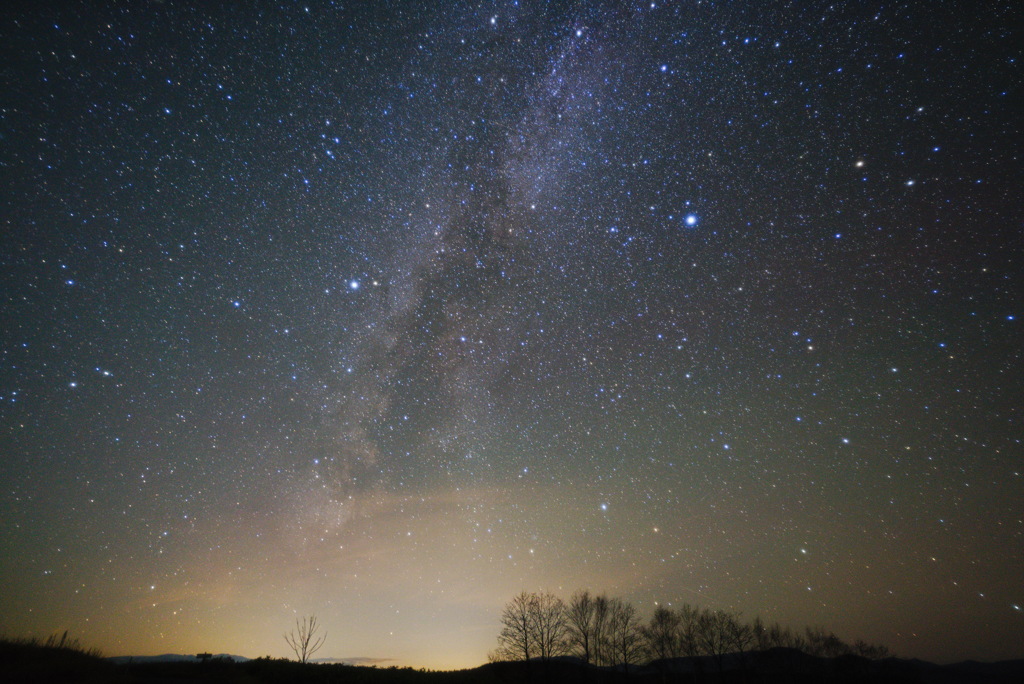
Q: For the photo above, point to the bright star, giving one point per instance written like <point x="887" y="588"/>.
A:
<point x="690" y="220"/>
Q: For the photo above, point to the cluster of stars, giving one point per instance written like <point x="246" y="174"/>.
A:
<point x="336" y="309"/>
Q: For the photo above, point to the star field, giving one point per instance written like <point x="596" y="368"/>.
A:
<point x="388" y="311"/>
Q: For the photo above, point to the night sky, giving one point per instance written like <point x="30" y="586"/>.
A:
<point x="388" y="311"/>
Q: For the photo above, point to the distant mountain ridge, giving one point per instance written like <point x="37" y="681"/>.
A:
<point x="772" y="664"/>
<point x="171" y="658"/>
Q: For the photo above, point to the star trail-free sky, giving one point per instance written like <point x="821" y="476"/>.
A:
<point x="387" y="311"/>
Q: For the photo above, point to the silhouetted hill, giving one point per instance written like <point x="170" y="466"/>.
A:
<point x="778" y="665"/>
<point x="31" y="663"/>
<point x="1003" y="672"/>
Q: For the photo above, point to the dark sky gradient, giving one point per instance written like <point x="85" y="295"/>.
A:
<point x="388" y="311"/>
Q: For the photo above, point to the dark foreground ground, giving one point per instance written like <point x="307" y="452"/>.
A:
<point x="33" y="663"/>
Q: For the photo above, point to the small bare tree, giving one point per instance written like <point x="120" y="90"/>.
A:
<point x="871" y="651"/>
<point x="304" y="639"/>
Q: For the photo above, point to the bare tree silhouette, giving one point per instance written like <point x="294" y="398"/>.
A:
<point x="625" y="641"/>
<point x="549" y="626"/>
<point x="533" y="626"/>
<point x="304" y="639"/>
<point x="662" y="635"/>
<point x="516" y="641"/>
<point x="580" y="623"/>
<point x="608" y="632"/>
<point x="602" y="616"/>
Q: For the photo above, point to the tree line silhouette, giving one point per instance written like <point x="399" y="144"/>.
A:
<point x="609" y="632"/>
<point x="596" y="629"/>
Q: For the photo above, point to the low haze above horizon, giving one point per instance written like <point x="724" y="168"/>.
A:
<point x="388" y="311"/>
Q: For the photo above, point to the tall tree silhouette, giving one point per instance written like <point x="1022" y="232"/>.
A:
<point x="579" y="616"/>
<point x="548" y="624"/>
<point x="626" y="644"/>
<point x="515" y="642"/>
<point x="662" y="635"/>
<point x="602" y="615"/>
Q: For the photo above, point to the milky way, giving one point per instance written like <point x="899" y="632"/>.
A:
<point x="387" y="312"/>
